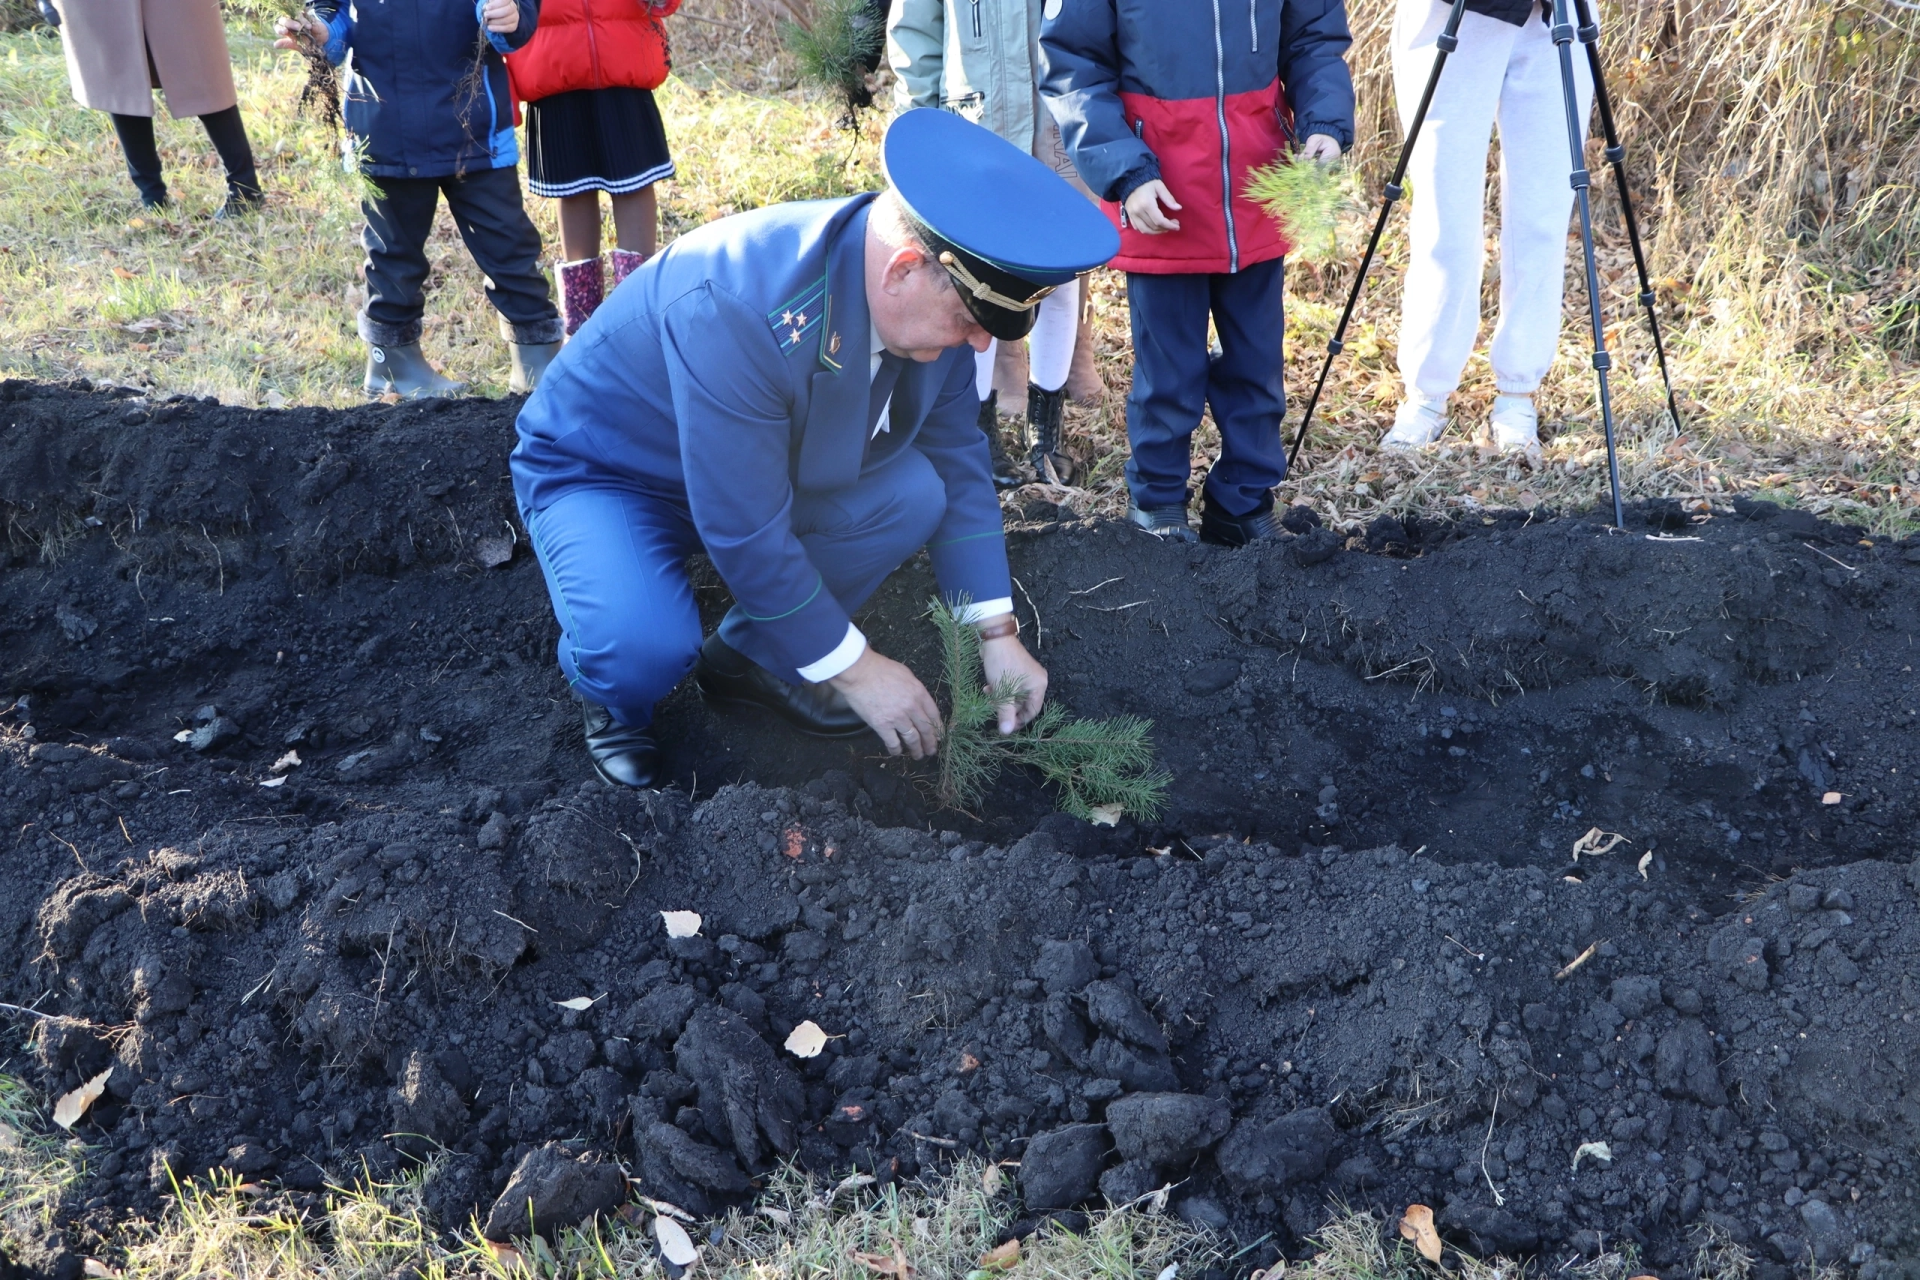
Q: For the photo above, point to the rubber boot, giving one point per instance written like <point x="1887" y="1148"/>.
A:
<point x="582" y="289"/>
<point x="402" y="370"/>
<point x="625" y="263"/>
<point x="1084" y="383"/>
<point x="530" y="361"/>
<point x="1005" y="474"/>
<point x="1046" y="411"/>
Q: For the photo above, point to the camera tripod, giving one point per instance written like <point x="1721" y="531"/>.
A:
<point x="1564" y="33"/>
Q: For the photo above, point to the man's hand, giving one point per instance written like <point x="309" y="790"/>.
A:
<point x="1319" y="146"/>
<point x="1007" y="658"/>
<point x="894" y="704"/>
<point x="502" y="17"/>
<point x="1143" y="208"/>
<point x="305" y="32"/>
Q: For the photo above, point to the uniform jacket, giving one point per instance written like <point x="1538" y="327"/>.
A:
<point x="977" y="58"/>
<point x="426" y="92"/>
<point x="1195" y="93"/>
<point x="593" y="44"/>
<point x="106" y="43"/>
<point x="732" y="370"/>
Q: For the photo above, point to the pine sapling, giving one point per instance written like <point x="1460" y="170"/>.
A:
<point x="836" y="46"/>
<point x="1305" y="199"/>
<point x="1097" y="767"/>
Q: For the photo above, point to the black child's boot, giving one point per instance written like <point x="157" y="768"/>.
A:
<point x="1005" y="473"/>
<point x="1046" y="412"/>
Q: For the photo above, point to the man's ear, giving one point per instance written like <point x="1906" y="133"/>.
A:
<point x="901" y="263"/>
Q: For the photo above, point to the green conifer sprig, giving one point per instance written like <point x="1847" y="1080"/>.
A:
<point x="836" y="48"/>
<point x="1305" y="198"/>
<point x="1093" y="764"/>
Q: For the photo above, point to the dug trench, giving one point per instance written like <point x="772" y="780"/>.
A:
<point x="1355" y="961"/>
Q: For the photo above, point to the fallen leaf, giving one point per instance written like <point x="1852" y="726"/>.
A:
<point x="1578" y="960"/>
<point x="1597" y="842"/>
<point x="922" y="1232"/>
<point x="852" y="1182"/>
<point x="580" y="1004"/>
<point x="505" y="1254"/>
<point x="98" y="1270"/>
<point x="122" y="273"/>
<point x="670" y="1209"/>
<point x="1106" y="815"/>
<point x="896" y="1266"/>
<point x="807" y="1040"/>
<point x="1598" y="1150"/>
<point x="71" y="1106"/>
<point x="137" y="224"/>
<point x="1417" y="1225"/>
<point x="183" y="735"/>
<point x="968" y="1062"/>
<point x="1646" y="860"/>
<point x="1168" y="1272"/>
<point x="391" y="397"/>
<point x="676" y="1246"/>
<point x="990" y="1180"/>
<point x="280" y="781"/>
<point x="795" y="843"/>
<point x="681" y="924"/>
<point x="1003" y="1257"/>
<point x="780" y="1216"/>
<point x="1832" y="797"/>
<point x="291" y="760"/>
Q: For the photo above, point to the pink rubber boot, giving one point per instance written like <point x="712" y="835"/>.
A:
<point x="582" y="288"/>
<point x="625" y="263"/>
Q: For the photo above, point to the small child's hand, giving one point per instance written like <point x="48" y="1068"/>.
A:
<point x="502" y="16"/>
<point x="305" y="32"/>
<point x="1319" y="146"/>
<point x="1143" y="208"/>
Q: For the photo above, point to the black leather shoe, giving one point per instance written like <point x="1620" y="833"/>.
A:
<point x="1223" y="530"/>
<point x="1169" y="522"/>
<point x="724" y="674"/>
<point x="623" y="756"/>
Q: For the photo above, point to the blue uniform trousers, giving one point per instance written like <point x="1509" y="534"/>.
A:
<point x="615" y="562"/>
<point x="1175" y="378"/>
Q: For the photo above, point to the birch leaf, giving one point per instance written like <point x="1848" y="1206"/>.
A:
<point x="1002" y="1257"/>
<point x="681" y="924"/>
<point x="1417" y="1225"/>
<point x="1106" y="815"/>
<point x="807" y="1040"/>
<point x="1598" y="1150"/>
<point x="676" y="1246"/>
<point x="580" y="1004"/>
<point x="71" y="1106"/>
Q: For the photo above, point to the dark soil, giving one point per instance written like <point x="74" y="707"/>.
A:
<point x="1357" y="950"/>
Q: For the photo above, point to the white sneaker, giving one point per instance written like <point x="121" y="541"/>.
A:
<point x="1516" y="425"/>
<point x="1415" y="426"/>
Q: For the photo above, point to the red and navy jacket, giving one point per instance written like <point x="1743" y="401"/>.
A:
<point x="1195" y="93"/>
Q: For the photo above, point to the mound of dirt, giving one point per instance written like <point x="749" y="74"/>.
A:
<point x="303" y="849"/>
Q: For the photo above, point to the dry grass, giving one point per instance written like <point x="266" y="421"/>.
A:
<point x="35" y="1167"/>
<point x="1776" y="163"/>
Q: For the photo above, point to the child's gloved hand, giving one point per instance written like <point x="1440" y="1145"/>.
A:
<point x="1319" y="146"/>
<point x="502" y="17"/>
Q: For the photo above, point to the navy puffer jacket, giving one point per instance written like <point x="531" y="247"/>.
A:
<point x="1195" y="93"/>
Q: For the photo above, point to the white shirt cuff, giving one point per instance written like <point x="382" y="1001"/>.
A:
<point x="985" y="609"/>
<point x="844" y="655"/>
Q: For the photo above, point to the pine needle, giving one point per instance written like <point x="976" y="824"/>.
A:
<point x="1091" y="763"/>
<point x="837" y="48"/>
<point x="1305" y="199"/>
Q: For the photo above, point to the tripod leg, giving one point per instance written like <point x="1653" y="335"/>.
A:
<point x="1447" y="41"/>
<point x="1589" y="34"/>
<point x="1581" y="181"/>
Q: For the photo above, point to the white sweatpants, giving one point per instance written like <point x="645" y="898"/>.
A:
<point x="1509" y="75"/>
<point x="1049" y="346"/>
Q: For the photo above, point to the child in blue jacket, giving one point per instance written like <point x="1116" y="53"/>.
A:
<point x="1165" y="109"/>
<point x="430" y="113"/>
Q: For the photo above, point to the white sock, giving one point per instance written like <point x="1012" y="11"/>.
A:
<point x="1050" y="346"/>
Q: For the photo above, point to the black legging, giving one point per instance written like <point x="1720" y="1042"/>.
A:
<point x="224" y="129"/>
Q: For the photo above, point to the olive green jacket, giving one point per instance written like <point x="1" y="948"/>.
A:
<point x="977" y="58"/>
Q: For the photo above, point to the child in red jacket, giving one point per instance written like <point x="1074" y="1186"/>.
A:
<point x="1165" y="108"/>
<point x="588" y="77"/>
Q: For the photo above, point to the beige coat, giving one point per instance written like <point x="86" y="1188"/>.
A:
<point x="108" y="43"/>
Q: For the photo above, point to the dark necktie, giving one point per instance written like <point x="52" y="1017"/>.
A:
<point x="883" y="383"/>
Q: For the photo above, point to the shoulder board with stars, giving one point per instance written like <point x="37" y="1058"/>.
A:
<point x="799" y="317"/>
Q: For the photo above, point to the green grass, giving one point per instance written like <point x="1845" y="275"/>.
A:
<point x="36" y="1165"/>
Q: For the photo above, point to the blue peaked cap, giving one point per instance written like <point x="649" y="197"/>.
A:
<point x="1007" y="228"/>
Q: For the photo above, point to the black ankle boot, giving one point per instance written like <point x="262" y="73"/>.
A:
<point x="623" y="756"/>
<point x="1005" y="474"/>
<point x="1046" y="411"/>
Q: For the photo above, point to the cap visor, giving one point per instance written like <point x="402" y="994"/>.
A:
<point x="1008" y="326"/>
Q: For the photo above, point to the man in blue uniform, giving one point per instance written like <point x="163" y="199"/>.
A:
<point x="792" y="390"/>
